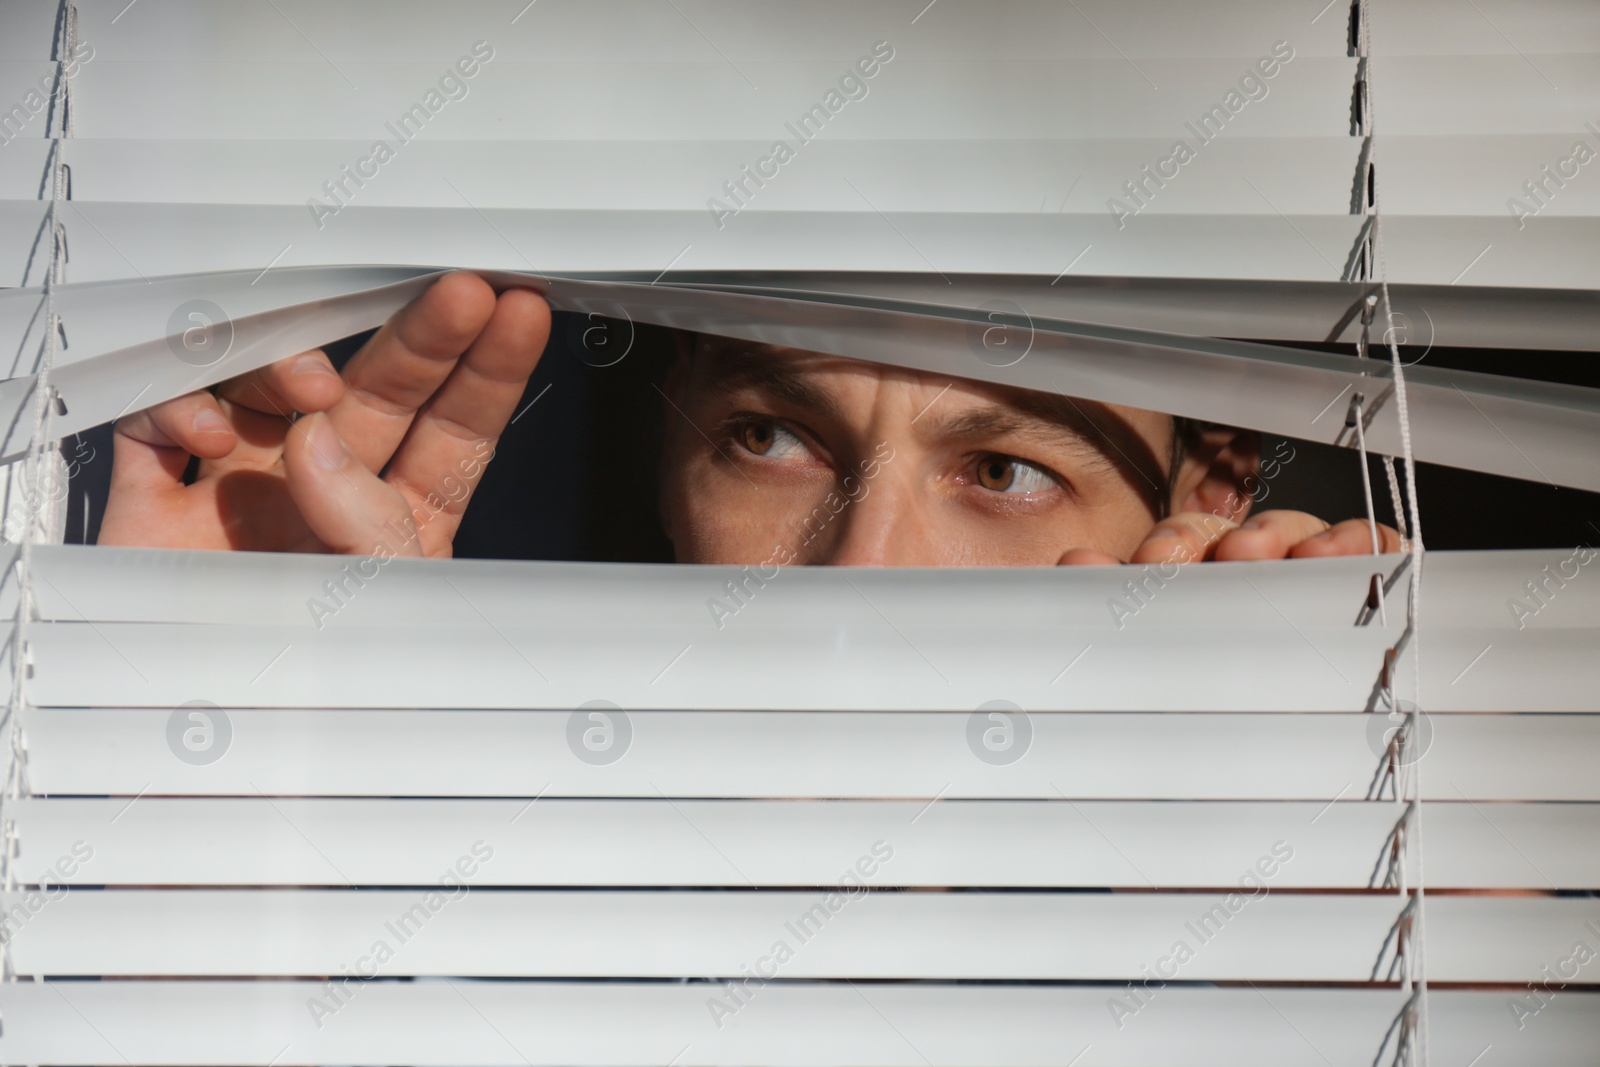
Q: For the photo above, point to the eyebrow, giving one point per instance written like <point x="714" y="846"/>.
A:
<point x="1077" y="424"/>
<point x="1004" y="420"/>
<point x="734" y="366"/>
<point x="1070" y="422"/>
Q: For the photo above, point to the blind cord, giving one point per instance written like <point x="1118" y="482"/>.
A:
<point x="1366" y="475"/>
<point x="1399" y="506"/>
<point x="1413" y="601"/>
<point x="43" y="510"/>
<point x="1356" y="419"/>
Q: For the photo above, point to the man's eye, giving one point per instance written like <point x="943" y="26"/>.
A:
<point x="1003" y="474"/>
<point x="764" y="438"/>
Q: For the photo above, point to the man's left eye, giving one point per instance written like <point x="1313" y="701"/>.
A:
<point x="1005" y="474"/>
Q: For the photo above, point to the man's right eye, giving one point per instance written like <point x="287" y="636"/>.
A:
<point x="763" y="437"/>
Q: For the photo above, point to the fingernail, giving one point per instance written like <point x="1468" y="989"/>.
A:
<point x="208" y="421"/>
<point x="1325" y="535"/>
<point x="326" y="446"/>
<point x="1161" y="532"/>
<point x="310" y="364"/>
<point x="1252" y="524"/>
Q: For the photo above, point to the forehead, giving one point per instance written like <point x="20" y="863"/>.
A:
<point x="727" y="363"/>
<point x="812" y="379"/>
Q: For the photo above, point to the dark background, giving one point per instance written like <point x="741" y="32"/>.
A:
<point x="574" y="476"/>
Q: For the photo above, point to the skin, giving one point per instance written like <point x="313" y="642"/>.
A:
<point x="907" y="469"/>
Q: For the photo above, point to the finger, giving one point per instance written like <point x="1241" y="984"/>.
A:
<point x="193" y="423"/>
<point x="302" y="383"/>
<point x="1086" y="557"/>
<point x="450" y="443"/>
<point x="258" y="444"/>
<point x="1182" y="538"/>
<point x="150" y="450"/>
<point x="410" y="356"/>
<point x="139" y="468"/>
<point x="1269" y="535"/>
<point x="348" y="507"/>
<point x="1350" y="538"/>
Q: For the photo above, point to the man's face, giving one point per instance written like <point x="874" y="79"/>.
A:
<point x="778" y="455"/>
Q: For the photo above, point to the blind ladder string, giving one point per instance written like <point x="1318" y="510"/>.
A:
<point x="42" y="514"/>
<point x="1411" y="769"/>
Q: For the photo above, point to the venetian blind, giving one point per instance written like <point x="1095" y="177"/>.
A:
<point x="491" y="812"/>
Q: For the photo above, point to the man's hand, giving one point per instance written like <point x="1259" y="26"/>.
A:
<point x="1190" y="536"/>
<point x="426" y="397"/>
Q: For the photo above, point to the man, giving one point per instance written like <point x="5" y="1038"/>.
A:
<point x="772" y="455"/>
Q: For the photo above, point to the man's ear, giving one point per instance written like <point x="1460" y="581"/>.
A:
<point x="1219" y="474"/>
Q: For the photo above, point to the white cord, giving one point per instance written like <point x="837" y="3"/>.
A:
<point x="1366" y="476"/>
<point x="1399" y="504"/>
<point x="1414" y="601"/>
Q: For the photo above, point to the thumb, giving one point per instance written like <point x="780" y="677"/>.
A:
<point x="348" y="507"/>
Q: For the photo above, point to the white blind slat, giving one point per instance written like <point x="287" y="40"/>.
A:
<point x="551" y="1024"/>
<point x="237" y="588"/>
<point x="638" y="31"/>
<point x="1277" y="389"/>
<point x="1550" y="251"/>
<point x="592" y="99"/>
<point x="164" y="239"/>
<point x="294" y="842"/>
<point x="107" y="316"/>
<point x="1478" y="94"/>
<point x="544" y="667"/>
<point x="923" y="665"/>
<point x="1122" y="755"/>
<point x="603" y="933"/>
<point x="1411" y="29"/>
<point x="1295" y="175"/>
<point x="521" y="1024"/>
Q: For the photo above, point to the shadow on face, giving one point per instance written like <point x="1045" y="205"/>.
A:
<point x="782" y="456"/>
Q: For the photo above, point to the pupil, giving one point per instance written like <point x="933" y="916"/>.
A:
<point x="997" y="474"/>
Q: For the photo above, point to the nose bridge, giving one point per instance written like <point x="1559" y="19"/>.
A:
<point x="880" y="527"/>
